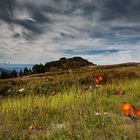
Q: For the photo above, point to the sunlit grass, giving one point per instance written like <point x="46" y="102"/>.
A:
<point x="71" y="114"/>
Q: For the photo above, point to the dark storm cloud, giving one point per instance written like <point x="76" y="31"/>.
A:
<point x="95" y="26"/>
<point x="37" y="13"/>
<point x="8" y="14"/>
<point x="128" y="10"/>
<point x="6" y="9"/>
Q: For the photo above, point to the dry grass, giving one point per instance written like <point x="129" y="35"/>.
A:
<point x="74" y="112"/>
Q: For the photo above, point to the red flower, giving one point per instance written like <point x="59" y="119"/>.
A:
<point x="97" y="81"/>
<point x="137" y="112"/>
<point x="98" y="78"/>
<point x="130" y="110"/>
<point x="126" y="113"/>
<point x="46" y="111"/>
<point x="30" y="127"/>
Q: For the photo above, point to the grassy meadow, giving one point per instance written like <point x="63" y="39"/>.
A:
<point x="67" y="105"/>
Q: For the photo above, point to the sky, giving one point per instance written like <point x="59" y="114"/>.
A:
<point x="101" y="31"/>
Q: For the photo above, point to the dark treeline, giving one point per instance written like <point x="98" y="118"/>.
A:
<point x="14" y="73"/>
<point x="5" y="75"/>
<point x="63" y="63"/>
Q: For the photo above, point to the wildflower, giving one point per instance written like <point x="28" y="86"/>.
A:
<point x="30" y="127"/>
<point x="97" y="81"/>
<point x="99" y="86"/>
<point x="100" y="78"/>
<point x="126" y="113"/>
<point x="121" y="91"/>
<point x="98" y="114"/>
<point x="46" y="111"/>
<point x="105" y="113"/>
<point x="129" y="110"/>
<point x="136" y="112"/>
<point x="53" y="93"/>
<point x="21" y="90"/>
<point x="126" y="107"/>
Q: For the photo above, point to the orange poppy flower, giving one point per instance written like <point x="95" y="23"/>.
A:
<point x="97" y="81"/>
<point x="100" y="78"/>
<point x="126" y="113"/>
<point x="126" y="107"/>
<point x="137" y="112"/>
<point x="30" y="127"/>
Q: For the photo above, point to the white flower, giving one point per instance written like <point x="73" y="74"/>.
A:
<point x="98" y="114"/>
<point x="21" y="90"/>
<point x="105" y="113"/>
<point x="99" y="86"/>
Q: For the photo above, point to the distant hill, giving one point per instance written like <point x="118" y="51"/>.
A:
<point x="68" y="63"/>
<point x="4" y="70"/>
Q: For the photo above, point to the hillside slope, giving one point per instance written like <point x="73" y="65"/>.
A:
<point x="67" y="63"/>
